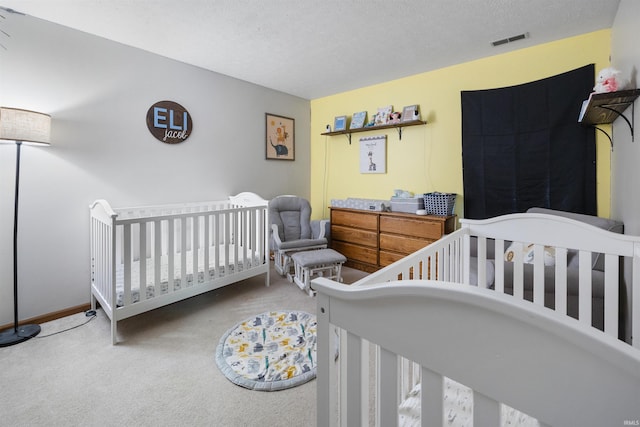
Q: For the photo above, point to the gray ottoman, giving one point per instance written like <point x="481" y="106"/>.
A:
<point x="321" y="262"/>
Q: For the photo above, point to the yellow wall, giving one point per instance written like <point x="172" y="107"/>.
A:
<point x="429" y="158"/>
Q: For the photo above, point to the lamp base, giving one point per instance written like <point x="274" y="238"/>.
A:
<point x="24" y="332"/>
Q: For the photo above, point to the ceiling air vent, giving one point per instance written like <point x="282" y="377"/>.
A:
<point x="510" y="39"/>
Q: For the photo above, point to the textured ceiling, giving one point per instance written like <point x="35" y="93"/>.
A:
<point x="318" y="48"/>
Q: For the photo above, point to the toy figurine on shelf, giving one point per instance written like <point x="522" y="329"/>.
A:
<point x="395" y="117"/>
<point x="609" y="80"/>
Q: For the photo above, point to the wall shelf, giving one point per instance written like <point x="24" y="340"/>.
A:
<point x="605" y="108"/>
<point x="397" y="126"/>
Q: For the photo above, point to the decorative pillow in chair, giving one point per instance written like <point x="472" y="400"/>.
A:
<point x="527" y="254"/>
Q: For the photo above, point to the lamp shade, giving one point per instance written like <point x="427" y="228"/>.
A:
<point x="24" y="126"/>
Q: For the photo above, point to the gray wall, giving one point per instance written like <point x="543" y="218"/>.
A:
<point x="625" y="159"/>
<point x="625" y="56"/>
<point x="98" y="93"/>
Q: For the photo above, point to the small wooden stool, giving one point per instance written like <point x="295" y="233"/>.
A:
<point x="316" y="262"/>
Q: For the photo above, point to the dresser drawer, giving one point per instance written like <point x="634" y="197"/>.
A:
<point x="354" y="235"/>
<point x="411" y="227"/>
<point x="357" y="253"/>
<point x="355" y="219"/>
<point x="402" y="244"/>
<point x="387" y="258"/>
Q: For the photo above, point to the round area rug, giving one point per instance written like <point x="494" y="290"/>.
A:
<point x="271" y="351"/>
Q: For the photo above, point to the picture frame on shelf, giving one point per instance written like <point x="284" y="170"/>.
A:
<point x="383" y="115"/>
<point x="279" y="137"/>
<point x="410" y="113"/>
<point x="340" y="123"/>
<point x="358" y="120"/>
<point x="372" y="121"/>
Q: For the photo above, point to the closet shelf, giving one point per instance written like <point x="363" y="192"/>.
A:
<point x="605" y="108"/>
<point x="397" y="126"/>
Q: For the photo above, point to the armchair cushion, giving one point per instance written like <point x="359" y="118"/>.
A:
<point x="301" y="243"/>
<point x="292" y="217"/>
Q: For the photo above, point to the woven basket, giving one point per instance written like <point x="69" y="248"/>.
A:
<point x="439" y="203"/>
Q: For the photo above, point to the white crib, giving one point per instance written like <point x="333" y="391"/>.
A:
<point x="420" y="324"/>
<point x="175" y="251"/>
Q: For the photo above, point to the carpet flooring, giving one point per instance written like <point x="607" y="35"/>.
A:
<point x="162" y="373"/>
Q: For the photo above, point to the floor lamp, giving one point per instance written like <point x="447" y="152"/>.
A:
<point x="28" y="127"/>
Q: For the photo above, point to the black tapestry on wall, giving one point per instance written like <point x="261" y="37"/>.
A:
<point x="522" y="146"/>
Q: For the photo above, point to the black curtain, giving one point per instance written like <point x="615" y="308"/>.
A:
<point x="522" y="147"/>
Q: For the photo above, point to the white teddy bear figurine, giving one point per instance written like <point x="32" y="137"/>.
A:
<point x="608" y="81"/>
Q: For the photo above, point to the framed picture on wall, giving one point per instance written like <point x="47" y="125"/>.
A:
<point x="373" y="154"/>
<point x="280" y="137"/>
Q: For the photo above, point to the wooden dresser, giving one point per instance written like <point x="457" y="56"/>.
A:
<point x="371" y="240"/>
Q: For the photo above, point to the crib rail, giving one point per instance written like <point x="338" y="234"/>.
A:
<point x="507" y="350"/>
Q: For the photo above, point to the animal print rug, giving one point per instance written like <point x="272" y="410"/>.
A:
<point x="271" y="351"/>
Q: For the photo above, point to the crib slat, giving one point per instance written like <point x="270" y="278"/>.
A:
<point x="561" y="281"/>
<point x="518" y="271"/>
<point x="365" y="379"/>
<point x="431" y="406"/>
<point x="157" y="255"/>
<point x="499" y="265"/>
<point x="195" y="249"/>
<point x="183" y="252"/>
<point x="262" y="251"/>
<point x="466" y="263"/>
<point x="227" y="240"/>
<point x="611" y="295"/>
<point x="354" y="393"/>
<point x="323" y="356"/>
<point x="486" y="411"/>
<point x="171" y="250"/>
<point x="142" y="288"/>
<point x="446" y="255"/>
<point x="247" y="242"/>
<point x="482" y="262"/>
<point x="456" y="247"/>
<point x="584" y="289"/>
<point x="216" y="243"/>
<point x="126" y="254"/>
<point x="206" y="243"/>
<point x="538" y="274"/>
<point x="246" y="235"/>
<point x="389" y="394"/>
<point x="251" y="247"/>
<point x="243" y="236"/>
<point x="235" y="238"/>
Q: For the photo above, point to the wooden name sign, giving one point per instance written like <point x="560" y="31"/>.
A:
<point x="169" y="122"/>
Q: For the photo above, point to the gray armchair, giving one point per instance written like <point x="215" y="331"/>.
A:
<point x="292" y="230"/>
